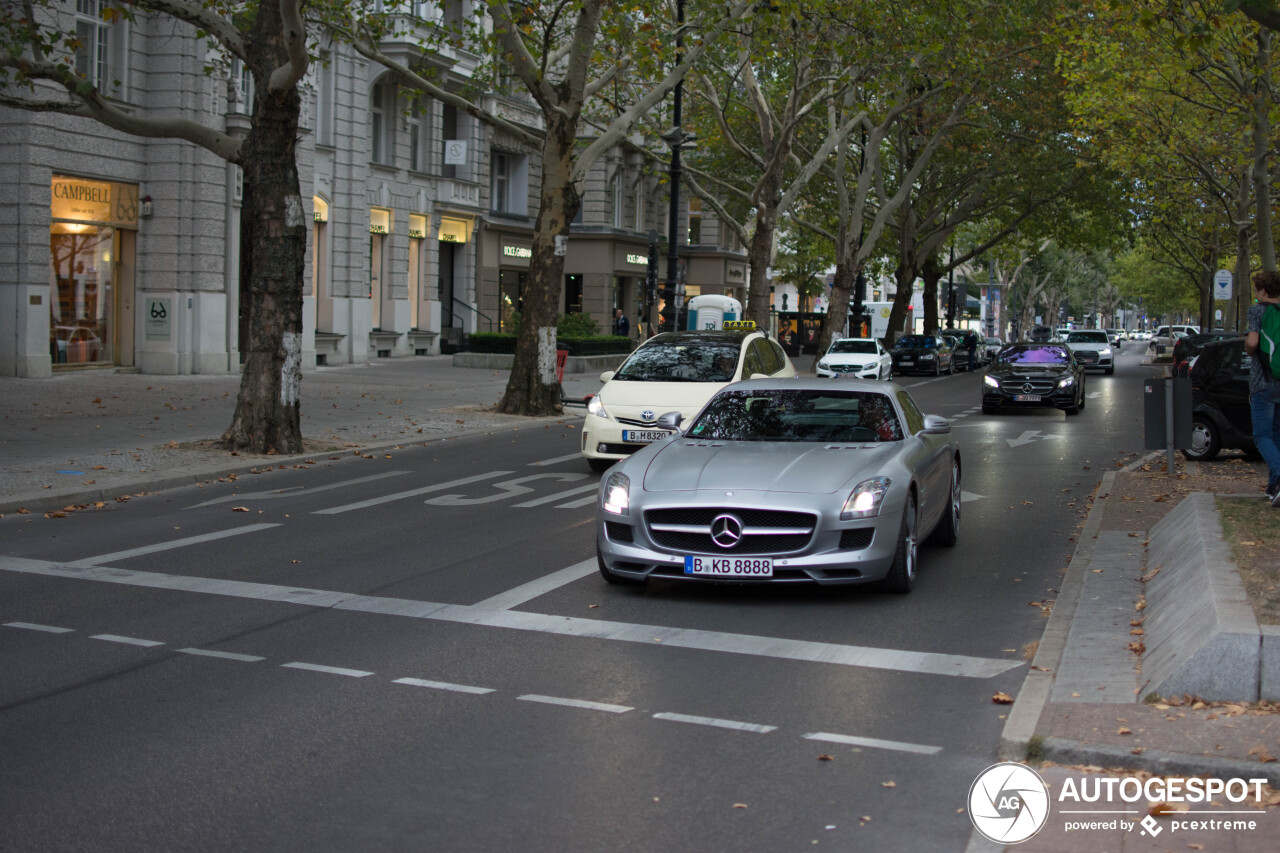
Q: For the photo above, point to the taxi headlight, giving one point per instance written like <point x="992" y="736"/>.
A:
<point x="617" y="494"/>
<point x="990" y="381"/>
<point x="865" y="499"/>
<point x="595" y="407"/>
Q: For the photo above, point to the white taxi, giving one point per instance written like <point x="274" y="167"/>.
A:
<point x="673" y="372"/>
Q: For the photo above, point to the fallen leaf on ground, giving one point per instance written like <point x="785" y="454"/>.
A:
<point x="1002" y="699"/>
<point x="239" y="509"/>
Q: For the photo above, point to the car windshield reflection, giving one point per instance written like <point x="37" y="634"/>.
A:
<point x="691" y="362"/>
<point x="1034" y="355"/>
<point x="795" y="415"/>
<point x="917" y="342"/>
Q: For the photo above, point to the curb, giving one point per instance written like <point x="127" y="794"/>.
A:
<point x="1157" y="761"/>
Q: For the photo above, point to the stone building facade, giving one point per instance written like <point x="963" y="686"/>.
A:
<point x="121" y="251"/>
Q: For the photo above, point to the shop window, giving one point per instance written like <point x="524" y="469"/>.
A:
<point x="81" y="309"/>
<point x="573" y="294"/>
<point x="510" y="297"/>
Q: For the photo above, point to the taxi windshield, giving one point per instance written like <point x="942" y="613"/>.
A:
<point x="691" y="361"/>
<point x="798" y="416"/>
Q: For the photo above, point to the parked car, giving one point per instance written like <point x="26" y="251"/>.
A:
<point x="990" y="347"/>
<point x="1220" y="416"/>
<point x="1163" y="338"/>
<point x="959" y="351"/>
<point x="1185" y="349"/>
<point x="1092" y="348"/>
<point x="859" y="358"/>
<point x="785" y="481"/>
<point x="672" y="371"/>
<point x="1040" y="334"/>
<point x="1035" y="376"/>
<point x="923" y="354"/>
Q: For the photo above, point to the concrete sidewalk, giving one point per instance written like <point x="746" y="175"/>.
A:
<point x="87" y="435"/>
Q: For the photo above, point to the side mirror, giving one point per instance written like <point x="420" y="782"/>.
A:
<point x="936" y="425"/>
<point x="606" y="376"/>
<point x="670" y="420"/>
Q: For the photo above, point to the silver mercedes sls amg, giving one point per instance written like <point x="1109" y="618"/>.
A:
<point x="785" y="481"/>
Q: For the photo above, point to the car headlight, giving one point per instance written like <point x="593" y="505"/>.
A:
<point x="990" y="381"/>
<point x="928" y="357"/>
<point x="617" y="494"/>
<point x="865" y="499"/>
<point x="1067" y="383"/>
<point x="822" y="365"/>
<point x="595" y="407"/>
<point x="1107" y="352"/>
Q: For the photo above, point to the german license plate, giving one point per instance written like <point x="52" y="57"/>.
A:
<point x="729" y="567"/>
<point x="1026" y="398"/>
<point x="905" y="363"/>
<point x="644" y="436"/>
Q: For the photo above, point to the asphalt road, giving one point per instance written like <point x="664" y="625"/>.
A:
<point x="414" y="652"/>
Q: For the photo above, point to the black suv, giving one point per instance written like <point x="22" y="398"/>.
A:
<point x="1220" y="416"/>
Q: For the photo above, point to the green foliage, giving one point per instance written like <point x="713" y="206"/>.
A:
<point x="567" y="325"/>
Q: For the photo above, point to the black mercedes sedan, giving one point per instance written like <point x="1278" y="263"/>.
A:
<point x="1220" y="418"/>
<point x="923" y="354"/>
<point x="1033" y="375"/>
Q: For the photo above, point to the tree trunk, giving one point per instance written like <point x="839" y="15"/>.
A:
<point x="905" y="276"/>
<point x="930" y="274"/>
<point x="759" y="255"/>
<point x="273" y="239"/>
<point x="838" y="308"/>
<point x="1262" y="99"/>
<point x="533" y="388"/>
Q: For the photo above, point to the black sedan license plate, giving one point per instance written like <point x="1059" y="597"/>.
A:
<point x="1026" y="398"/>
<point x="906" y="363"/>
<point x="644" y="436"/>
<point x="729" y="567"/>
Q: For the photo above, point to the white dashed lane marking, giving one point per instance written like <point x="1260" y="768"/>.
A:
<point x="128" y="641"/>
<point x="30" y="626"/>
<point x="605" y="707"/>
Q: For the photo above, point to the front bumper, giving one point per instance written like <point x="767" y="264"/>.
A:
<point x="835" y="551"/>
<point x="915" y="365"/>
<point x="1058" y="398"/>
<point x="852" y="371"/>
<point x="602" y="438"/>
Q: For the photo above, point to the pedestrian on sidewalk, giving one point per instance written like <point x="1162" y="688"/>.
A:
<point x="1264" y="389"/>
<point x="621" y="325"/>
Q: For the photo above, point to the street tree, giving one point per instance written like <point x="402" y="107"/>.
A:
<point x="42" y="70"/>
<point x="556" y="53"/>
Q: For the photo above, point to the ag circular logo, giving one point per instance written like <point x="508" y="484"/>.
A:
<point x="1008" y="803"/>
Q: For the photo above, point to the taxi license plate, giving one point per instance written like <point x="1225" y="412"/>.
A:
<point x="729" y="567"/>
<point x="1026" y="398"/>
<point x="644" y="436"/>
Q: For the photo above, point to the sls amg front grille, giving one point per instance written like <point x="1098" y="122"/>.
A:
<point x="703" y="530"/>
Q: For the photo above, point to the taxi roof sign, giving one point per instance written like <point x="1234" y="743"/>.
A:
<point x="739" y="325"/>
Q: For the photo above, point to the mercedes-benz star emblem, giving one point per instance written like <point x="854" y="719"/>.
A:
<point x="726" y="530"/>
<point x="1028" y="388"/>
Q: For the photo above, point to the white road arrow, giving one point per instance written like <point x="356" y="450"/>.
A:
<point x="1030" y="436"/>
<point x="1093" y="395"/>
<point x="965" y="497"/>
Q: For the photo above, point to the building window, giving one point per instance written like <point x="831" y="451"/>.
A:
<point x="640" y="206"/>
<point x="694" y="234"/>
<point x="325" y="100"/>
<point x="508" y="183"/>
<point x="93" y="37"/>
<point x="573" y="294"/>
<point x="499" y="182"/>
<point x="416" y="136"/>
<point x="380" y="125"/>
<point x="619" y="200"/>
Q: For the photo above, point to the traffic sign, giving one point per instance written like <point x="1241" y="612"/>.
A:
<point x="1222" y="285"/>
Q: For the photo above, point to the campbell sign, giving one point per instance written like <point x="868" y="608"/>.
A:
<point x="84" y="200"/>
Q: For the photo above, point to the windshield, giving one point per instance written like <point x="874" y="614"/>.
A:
<point x="916" y="342"/>
<point x="795" y="415"/>
<point x="1087" y="338"/>
<point x="681" y="362"/>
<point x="852" y="346"/>
<point x="1034" y="355"/>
